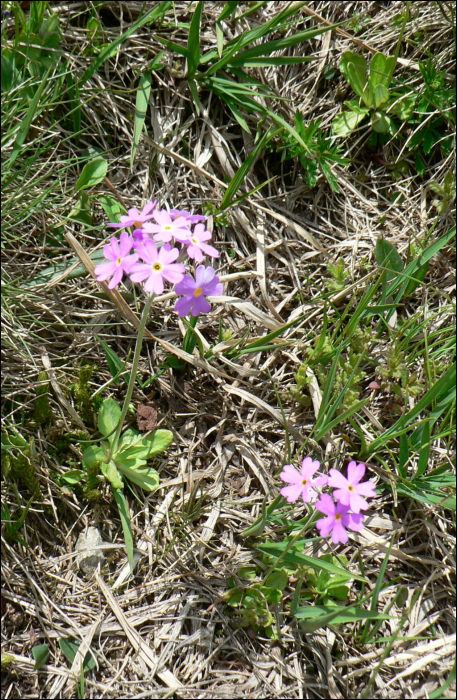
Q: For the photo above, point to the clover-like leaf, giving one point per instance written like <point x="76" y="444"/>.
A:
<point x="108" y="418"/>
<point x="111" y="473"/>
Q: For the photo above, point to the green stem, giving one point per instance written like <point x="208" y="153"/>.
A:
<point x="190" y="339"/>
<point x="136" y="359"/>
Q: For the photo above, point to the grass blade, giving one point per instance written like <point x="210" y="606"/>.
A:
<point x="28" y="119"/>
<point x="193" y="43"/>
<point x="241" y="174"/>
<point x="126" y="525"/>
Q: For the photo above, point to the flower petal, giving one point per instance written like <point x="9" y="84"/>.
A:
<point x="357" y="503"/>
<point x="325" y="525"/>
<point x="201" y="306"/>
<point x="326" y="505"/>
<point x="186" y="286"/>
<point x="339" y="533"/>
<point x="355" y="472"/>
<point x="337" y="480"/>
<point x="290" y="475"/>
<point x="355" y="522"/>
<point x="292" y="493"/>
<point x="184" y="305"/>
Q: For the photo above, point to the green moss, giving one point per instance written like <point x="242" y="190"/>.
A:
<point x="81" y="393"/>
<point x="19" y="460"/>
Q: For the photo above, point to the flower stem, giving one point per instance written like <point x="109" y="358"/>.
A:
<point x="136" y="359"/>
<point x="190" y="339"/>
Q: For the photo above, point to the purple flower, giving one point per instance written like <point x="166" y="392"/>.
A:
<point x="190" y="218"/>
<point x="302" y="483"/>
<point x="136" y="218"/>
<point x="139" y="236"/>
<point x="120" y="260"/>
<point x="157" y="266"/>
<point x="205" y="284"/>
<point x="196" y="246"/>
<point x="165" y="229"/>
<point x="349" y="491"/>
<point x="337" y="520"/>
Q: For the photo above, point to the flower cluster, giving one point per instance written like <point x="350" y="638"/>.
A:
<point x="148" y="255"/>
<point x="349" y="493"/>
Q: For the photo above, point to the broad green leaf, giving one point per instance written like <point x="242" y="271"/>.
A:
<point x="141" y="107"/>
<point x="404" y="109"/>
<point x="146" y="447"/>
<point x="193" y="43"/>
<point x="108" y="418"/>
<point x="242" y="172"/>
<point x="380" y="96"/>
<point x="145" y="477"/>
<point x="388" y="258"/>
<point x="220" y="39"/>
<point x="94" y="454"/>
<point x="28" y="119"/>
<point x="318" y="564"/>
<point x="381" y="70"/>
<point x="346" y="122"/>
<point x="40" y="654"/>
<point x="156" y="13"/>
<point x="357" y="78"/>
<point x="277" y="579"/>
<point x="381" y="122"/>
<point x="126" y="524"/>
<point x="93" y="173"/>
<point x="112" y="475"/>
<point x="112" y="208"/>
<point x="73" y="476"/>
<point x="358" y="62"/>
<point x="69" y="648"/>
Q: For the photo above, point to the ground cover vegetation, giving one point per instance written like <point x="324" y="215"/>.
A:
<point x="228" y="350"/>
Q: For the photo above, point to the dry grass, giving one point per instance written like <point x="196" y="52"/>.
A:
<point x="167" y="632"/>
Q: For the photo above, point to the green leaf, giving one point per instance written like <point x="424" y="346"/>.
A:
<point x="37" y="10"/>
<point x="145" y="447"/>
<point x="93" y="173"/>
<point x="358" y="62"/>
<point x="145" y="477"/>
<point x="380" y="95"/>
<point x="388" y="258"/>
<point x="93" y="455"/>
<point x="193" y="43"/>
<point x="346" y="122"/>
<point x="274" y="549"/>
<point x="317" y="616"/>
<point x="41" y="655"/>
<point x="381" y="122"/>
<point x="277" y="579"/>
<point x="404" y="109"/>
<point x="141" y="107"/>
<point x="229" y="9"/>
<point x="73" y="476"/>
<point x="112" y="475"/>
<point x="28" y="119"/>
<point x="115" y="364"/>
<point x="69" y="648"/>
<point x="424" y="452"/>
<point x="112" y="208"/>
<point x="381" y="70"/>
<point x="75" y="106"/>
<point x="194" y="91"/>
<point x="126" y="524"/>
<point x="242" y="172"/>
<point x="108" y="418"/>
<point x="159" y="11"/>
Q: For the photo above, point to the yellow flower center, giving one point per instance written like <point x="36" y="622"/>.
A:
<point x="157" y="267"/>
<point x="168" y="228"/>
<point x="138" y="224"/>
<point x="118" y="261"/>
<point x="337" y="518"/>
<point x="198" y="292"/>
<point x="194" y="240"/>
<point x="305" y="482"/>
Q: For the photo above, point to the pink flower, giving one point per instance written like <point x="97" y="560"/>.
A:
<point x="136" y="218"/>
<point x="157" y="266"/>
<point x="349" y="491"/>
<point x="165" y="229"/>
<point x="190" y="218"/>
<point x="206" y="283"/>
<point x="120" y="260"/>
<point x="196" y="244"/>
<point x="302" y="483"/>
<point x="337" y="520"/>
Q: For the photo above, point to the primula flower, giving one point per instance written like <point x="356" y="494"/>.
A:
<point x="165" y="229"/>
<point x="157" y="266"/>
<point x="139" y="236"/>
<point x="197" y="246"/>
<point x="302" y="483"/>
<point x="135" y="217"/>
<point x="120" y="260"/>
<point x="190" y="218"/>
<point x="337" y="520"/>
<point x="349" y="491"/>
<point x="206" y="283"/>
